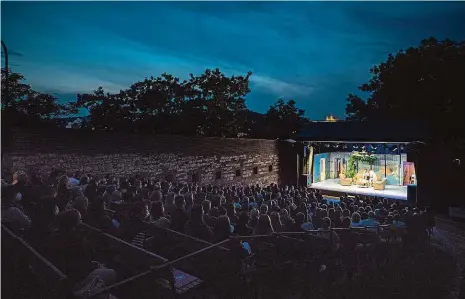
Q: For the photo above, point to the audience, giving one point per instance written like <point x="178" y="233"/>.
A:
<point x="211" y="213"/>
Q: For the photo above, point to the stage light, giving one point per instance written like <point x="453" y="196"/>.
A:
<point x="401" y="148"/>
<point x="363" y="147"/>
<point x="373" y="147"/>
<point x="355" y="146"/>
<point x="344" y="146"/>
<point x="336" y="145"/>
<point x="395" y="149"/>
<point x="326" y="144"/>
<point x="457" y="162"/>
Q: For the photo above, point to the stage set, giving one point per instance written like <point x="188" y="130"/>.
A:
<point x="365" y="166"/>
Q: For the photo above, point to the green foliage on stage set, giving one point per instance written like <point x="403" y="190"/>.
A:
<point x="351" y="167"/>
<point x="355" y="158"/>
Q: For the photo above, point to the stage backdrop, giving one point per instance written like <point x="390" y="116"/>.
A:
<point x="330" y="165"/>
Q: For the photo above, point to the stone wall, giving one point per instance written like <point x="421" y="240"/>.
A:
<point x="209" y="160"/>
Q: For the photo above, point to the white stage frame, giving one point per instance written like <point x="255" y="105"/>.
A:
<point x="393" y="192"/>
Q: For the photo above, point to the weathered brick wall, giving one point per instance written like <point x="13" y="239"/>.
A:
<point x="156" y="156"/>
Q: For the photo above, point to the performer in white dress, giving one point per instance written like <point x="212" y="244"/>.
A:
<point x="373" y="177"/>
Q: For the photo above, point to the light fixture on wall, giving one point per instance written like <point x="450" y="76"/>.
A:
<point x="355" y="146"/>
<point x="373" y="147"/>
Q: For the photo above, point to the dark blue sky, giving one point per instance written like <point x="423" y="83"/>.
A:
<point x="313" y="52"/>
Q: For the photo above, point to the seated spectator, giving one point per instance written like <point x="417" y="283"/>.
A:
<point x="44" y="219"/>
<point x="81" y="204"/>
<point x="356" y="220"/>
<point x="196" y="226"/>
<point x="179" y="216"/>
<point x="337" y="221"/>
<point x="276" y="222"/>
<point x="169" y="203"/>
<point x="66" y="249"/>
<point x="263" y="209"/>
<point x="156" y="196"/>
<point x="300" y="225"/>
<point x="370" y="221"/>
<point x="327" y="233"/>
<point x="100" y="218"/>
<point x="158" y="216"/>
<point x="223" y="228"/>
<point x="346" y="221"/>
<point x="288" y="222"/>
<point x="253" y="218"/>
<point x="13" y="216"/>
<point x="208" y="218"/>
<point x="264" y="226"/>
<point x="242" y="228"/>
<point x="231" y="212"/>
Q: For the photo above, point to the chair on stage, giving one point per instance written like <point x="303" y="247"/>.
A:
<point x="379" y="185"/>
<point x="345" y="181"/>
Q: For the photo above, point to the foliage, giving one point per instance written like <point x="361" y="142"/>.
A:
<point x="351" y="167"/>
<point x="21" y="102"/>
<point x="211" y="104"/>
<point x="283" y="119"/>
<point x="370" y="159"/>
<point x="353" y="161"/>
<point x="424" y="83"/>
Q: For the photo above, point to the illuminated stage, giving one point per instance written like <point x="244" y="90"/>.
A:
<point x="391" y="191"/>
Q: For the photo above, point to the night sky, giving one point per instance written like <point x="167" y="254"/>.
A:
<point x="313" y="52"/>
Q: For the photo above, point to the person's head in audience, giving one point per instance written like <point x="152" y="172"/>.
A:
<point x="156" y="196"/>
<point x="346" y="213"/>
<point x="264" y="226"/>
<point x="299" y="218"/>
<point x="81" y="203"/>
<point x="20" y="178"/>
<point x="84" y="180"/>
<point x="197" y="214"/>
<point x="180" y="202"/>
<point x="364" y="216"/>
<point x="356" y="218"/>
<point x="116" y="196"/>
<point x="371" y="215"/>
<point x="284" y="214"/>
<point x="326" y="223"/>
<point x="263" y="209"/>
<point x="68" y="220"/>
<point x="346" y="222"/>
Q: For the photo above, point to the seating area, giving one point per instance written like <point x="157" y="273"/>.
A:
<point x="85" y="237"/>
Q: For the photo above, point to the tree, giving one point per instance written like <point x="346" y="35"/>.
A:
<point x="215" y="104"/>
<point x="20" y="102"/>
<point x="426" y="83"/>
<point x="284" y="120"/>
<point x="210" y="104"/>
<point x="107" y="111"/>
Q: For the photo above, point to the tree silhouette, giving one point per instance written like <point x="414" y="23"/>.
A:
<point x="211" y="104"/>
<point x="425" y="83"/>
<point x="25" y="105"/>
<point x="284" y="120"/>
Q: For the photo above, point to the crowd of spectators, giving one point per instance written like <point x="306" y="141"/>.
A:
<point x="48" y="213"/>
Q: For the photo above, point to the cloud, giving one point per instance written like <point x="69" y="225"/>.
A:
<point x="280" y="88"/>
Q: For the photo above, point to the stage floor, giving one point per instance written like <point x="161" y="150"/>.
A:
<point x="393" y="192"/>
